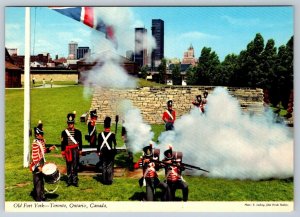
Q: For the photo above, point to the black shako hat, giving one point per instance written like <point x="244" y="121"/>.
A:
<point x="148" y="150"/>
<point x="107" y="122"/>
<point x="170" y="103"/>
<point x="39" y="129"/>
<point x="71" y="118"/>
<point x="167" y="152"/>
<point x="199" y="98"/>
<point x="93" y="113"/>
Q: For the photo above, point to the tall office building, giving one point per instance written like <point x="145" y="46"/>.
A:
<point x="158" y="34"/>
<point x="73" y="50"/>
<point x="82" y="52"/>
<point x="140" y="51"/>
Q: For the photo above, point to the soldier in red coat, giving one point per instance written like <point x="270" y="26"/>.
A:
<point x="198" y="102"/>
<point x="204" y="100"/>
<point x="150" y="177"/>
<point x="169" y="116"/>
<point x="38" y="160"/>
<point x="174" y="178"/>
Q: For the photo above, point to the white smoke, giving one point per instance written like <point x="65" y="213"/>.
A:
<point x="231" y="144"/>
<point x="138" y="133"/>
<point x="108" y="73"/>
<point x="144" y="41"/>
<point x="107" y="55"/>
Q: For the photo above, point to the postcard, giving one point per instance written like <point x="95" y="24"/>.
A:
<point x="149" y="109"/>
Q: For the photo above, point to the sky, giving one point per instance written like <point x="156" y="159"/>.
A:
<point x="225" y="30"/>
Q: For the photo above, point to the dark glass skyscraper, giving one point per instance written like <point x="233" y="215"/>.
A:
<point x="140" y="52"/>
<point x="158" y="34"/>
<point x="82" y="51"/>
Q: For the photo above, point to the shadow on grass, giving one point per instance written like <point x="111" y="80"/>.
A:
<point x="141" y="196"/>
<point x="138" y="196"/>
<point x="48" y="196"/>
<point x="98" y="177"/>
<point x="51" y="196"/>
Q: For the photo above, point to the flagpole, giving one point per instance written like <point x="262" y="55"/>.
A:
<point x="27" y="89"/>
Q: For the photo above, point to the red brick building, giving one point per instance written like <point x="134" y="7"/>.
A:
<point x="12" y="72"/>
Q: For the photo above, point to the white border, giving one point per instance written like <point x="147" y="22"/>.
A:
<point x="152" y="3"/>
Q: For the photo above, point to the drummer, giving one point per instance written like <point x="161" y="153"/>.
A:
<point x="38" y="160"/>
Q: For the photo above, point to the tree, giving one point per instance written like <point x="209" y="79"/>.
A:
<point x="191" y="78"/>
<point x="162" y="71"/>
<point x="249" y="63"/>
<point x="282" y="84"/>
<point x="227" y="70"/>
<point x="176" y="76"/>
<point x="144" y="71"/>
<point x="268" y="60"/>
<point x="207" y="66"/>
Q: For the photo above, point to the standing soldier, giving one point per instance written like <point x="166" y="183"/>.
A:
<point x="173" y="169"/>
<point x="92" y="129"/>
<point x="71" y="146"/>
<point x="38" y="161"/>
<point x="198" y="102"/>
<point x="129" y="160"/>
<point x="204" y="101"/>
<point x="33" y="81"/>
<point x="169" y="116"/>
<point x="106" y="152"/>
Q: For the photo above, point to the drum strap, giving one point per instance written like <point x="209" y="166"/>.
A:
<point x="105" y="141"/>
<point x="170" y="114"/>
<point x="51" y="192"/>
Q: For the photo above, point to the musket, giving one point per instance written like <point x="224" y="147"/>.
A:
<point x="117" y="120"/>
<point x="193" y="167"/>
<point x="187" y="166"/>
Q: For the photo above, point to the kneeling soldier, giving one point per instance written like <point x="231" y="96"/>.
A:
<point x="173" y="169"/>
<point x="150" y="177"/>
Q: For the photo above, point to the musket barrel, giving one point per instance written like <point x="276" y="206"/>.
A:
<point x="194" y="167"/>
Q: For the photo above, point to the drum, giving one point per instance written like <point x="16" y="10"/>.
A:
<point x="51" y="173"/>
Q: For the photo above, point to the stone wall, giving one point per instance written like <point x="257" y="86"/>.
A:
<point x="152" y="101"/>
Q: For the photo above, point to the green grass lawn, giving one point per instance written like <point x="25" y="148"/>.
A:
<point x="52" y="105"/>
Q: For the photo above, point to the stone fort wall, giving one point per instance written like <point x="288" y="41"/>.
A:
<point x="152" y="100"/>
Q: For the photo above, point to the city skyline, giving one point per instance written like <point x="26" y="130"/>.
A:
<point x="225" y="29"/>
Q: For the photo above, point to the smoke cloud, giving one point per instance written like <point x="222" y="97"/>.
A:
<point x="231" y="144"/>
<point x="139" y="133"/>
<point x="144" y="42"/>
<point x="108" y="71"/>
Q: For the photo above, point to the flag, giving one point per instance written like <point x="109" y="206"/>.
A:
<point x="87" y="16"/>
